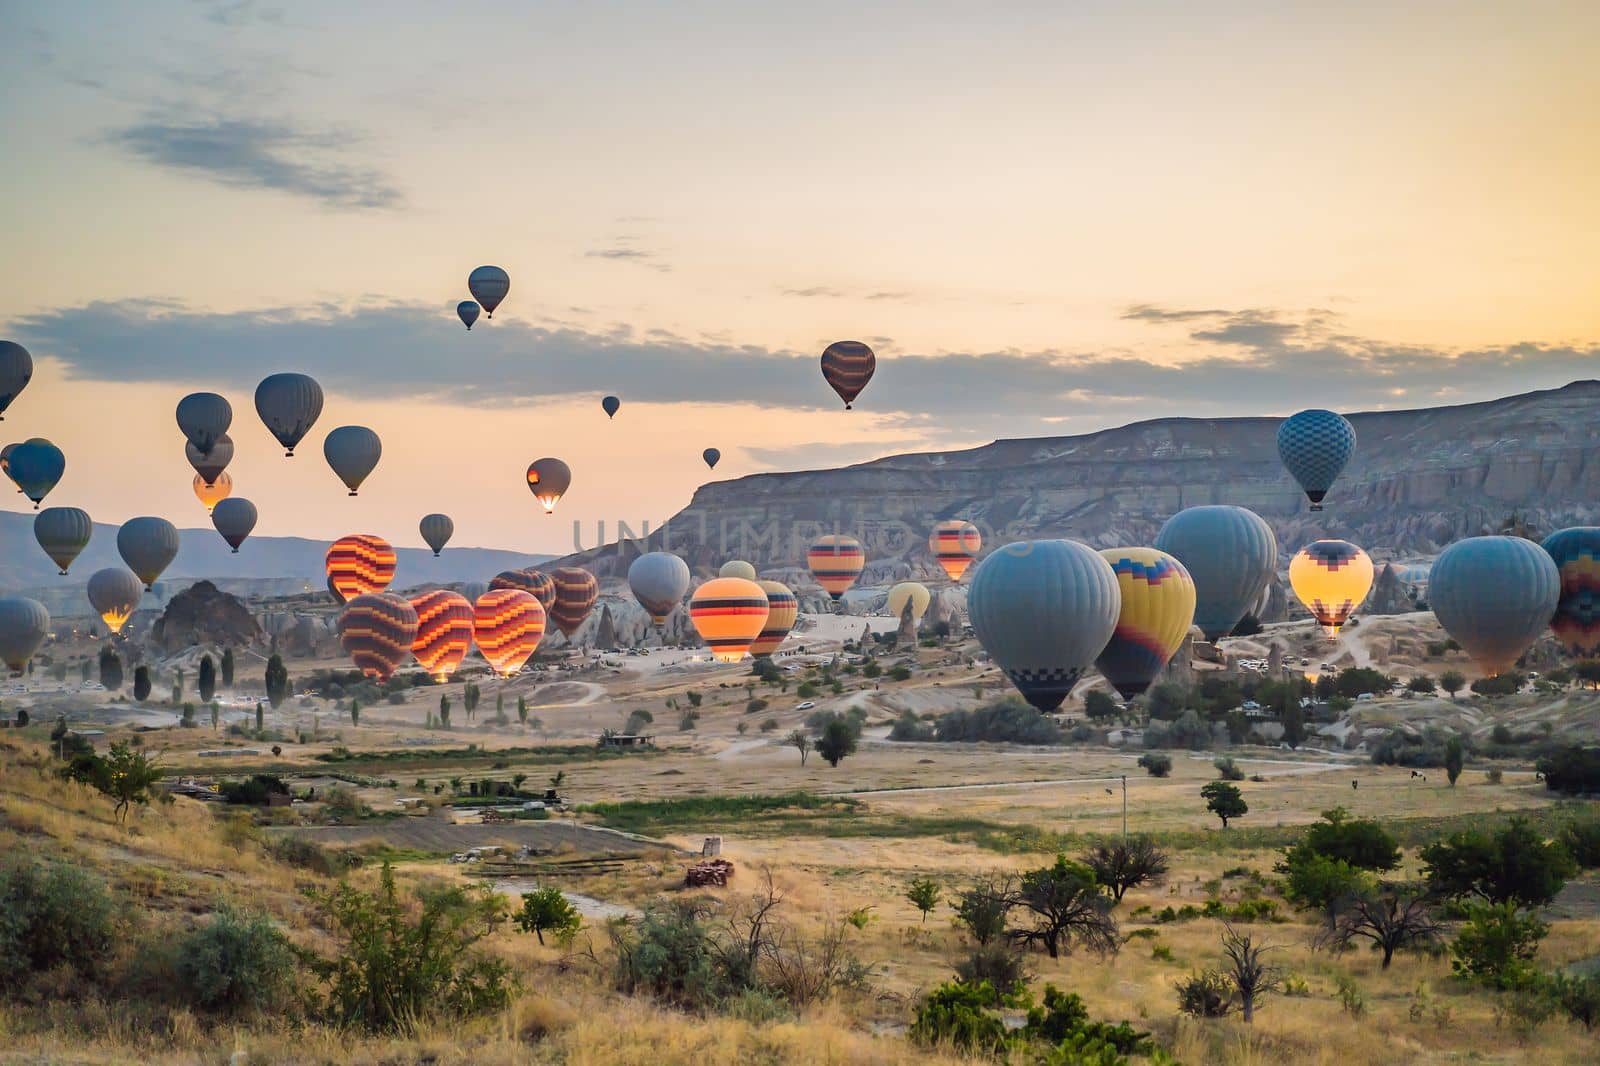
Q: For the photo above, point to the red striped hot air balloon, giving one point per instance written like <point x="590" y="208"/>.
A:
<point x="508" y="625"/>
<point x="848" y="366"/>
<point x="955" y="544"/>
<point x="377" y="632"/>
<point x="729" y="613"/>
<point x="535" y="582"/>
<point x="836" y="562"/>
<point x="444" y="631"/>
<point x="576" y="591"/>
<point x="782" y="609"/>
<point x="359" y="565"/>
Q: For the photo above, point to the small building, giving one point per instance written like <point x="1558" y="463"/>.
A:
<point x="627" y="740"/>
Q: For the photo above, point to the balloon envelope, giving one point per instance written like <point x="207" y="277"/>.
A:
<point x="1156" y="613"/>
<point x="1315" y="445"/>
<point x="148" y="545"/>
<point x="210" y="465"/>
<point x="16" y="370"/>
<point x="115" y="594"/>
<point x="444" y="632"/>
<point x="1576" y="553"/>
<point x="737" y="568"/>
<point x="611" y="406"/>
<point x="234" y="518"/>
<point x="728" y="613"/>
<point x="352" y="452"/>
<point x="782" y="610"/>
<point x="1332" y="578"/>
<point x="436" y="529"/>
<point x="548" y="480"/>
<point x="955" y="544"/>
<point x="63" y="532"/>
<point x="1230" y="553"/>
<point x="377" y="631"/>
<point x="36" y="466"/>
<point x="359" y="564"/>
<point x="914" y="593"/>
<point x="538" y="584"/>
<point x="576" y="591"/>
<point x="836" y="561"/>
<point x="489" y="285"/>
<point x="467" y="312"/>
<point x="203" y="417"/>
<point x="24" y="624"/>
<point x="712" y="456"/>
<point x="214" y="493"/>
<point x="508" y="625"/>
<point x="847" y="366"/>
<point x="289" y="405"/>
<point x="1494" y="595"/>
<point x="659" y="581"/>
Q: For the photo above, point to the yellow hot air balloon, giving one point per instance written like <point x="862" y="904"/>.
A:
<point x="214" y="493"/>
<point x="729" y="613"/>
<point x="1332" y="578"/>
<point x="912" y="592"/>
<point x="1158" y="598"/>
<point x="737" y="568"/>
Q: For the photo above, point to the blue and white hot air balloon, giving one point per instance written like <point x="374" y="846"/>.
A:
<point x="1315" y="445"/>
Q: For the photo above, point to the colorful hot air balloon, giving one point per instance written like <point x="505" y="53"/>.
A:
<point x="848" y="366"/>
<point x="1043" y="610"/>
<point x="576" y="591"/>
<point x="489" y="285"/>
<point x="377" y="630"/>
<point x="203" y="417"/>
<point x="148" y="545"/>
<point x="1494" y="595"/>
<point x="1230" y="553"/>
<point x="63" y="532"/>
<point x="444" y="632"/>
<point x="289" y="405"/>
<point x="24" y="624"/>
<point x="737" y="568"/>
<point x="436" y="529"/>
<point x="611" y="405"/>
<point x="913" y="592"/>
<point x="333" y="590"/>
<point x="36" y="466"/>
<point x="955" y="543"/>
<point x="1156" y="613"/>
<point x="548" y="480"/>
<point x="729" y="613"/>
<point x="214" y="493"/>
<point x="1332" y="578"/>
<point x="115" y="593"/>
<point x="508" y="625"/>
<point x="1576" y="553"/>
<point x="352" y="452"/>
<point x="210" y="465"/>
<point x="712" y="456"/>
<point x="16" y="370"/>
<point x="1314" y="446"/>
<point x="782" y="610"/>
<point x="467" y="312"/>
<point x="836" y="561"/>
<point x="359" y="564"/>
<point x="538" y="584"/>
<point x="659" y="581"/>
<point x="234" y="518"/>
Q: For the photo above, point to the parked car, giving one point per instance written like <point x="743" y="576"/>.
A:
<point x="806" y="706"/>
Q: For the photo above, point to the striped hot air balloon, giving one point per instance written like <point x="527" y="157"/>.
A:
<point x="1332" y="578"/>
<point x="377" y="631"/>
<point x="729" y="613"/>
<point x="955" y="544"/>
<point x="1156" y="613"/>
<point x="782" y="610"/>
<point x="576" y="591"/>
<point x="508" y="625"/>
<point x="1576" y="623"/>
<point x="848" y="366"/>
<point x="836" y="562"/>
<point x="359" y="564"/>
<point x="535" y="582"/>
<point x="445" y="622"/>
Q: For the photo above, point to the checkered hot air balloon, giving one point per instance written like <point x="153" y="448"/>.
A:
<point x="576" y="591"/>
<point x="729" y="613"/>
<point x="536" y="583"/>
<point x="1332" y="578"/>
<point x="377" y="632"/>
<point x="508" y="625"/>
<point x="358" y="565"/>
<point x="1315" y="445"/>
<point x="445" y="623"/>
<point x="836" y="562"/>
<point x="782" y="610"/>
<point x="1576" y="553"/>
<point x="847" y="366"/>
<point x="1157" y="610"/>
<point x="955" y="544"/>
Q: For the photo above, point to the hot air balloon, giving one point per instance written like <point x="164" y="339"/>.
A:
<point x="359" y="564"/>
<point x="712" y="456"/>
<point x="377" y="630"/>
<point x="611" y="405"/>
<point x="24" y="624"/>
<point x="548" y="480"/>
<point x="467" y="312"/>
<point x="473" y="589"/>
<point x="36" y="465"/>
<point x="1156" y="613"/>
<point x="16" y="370"/>
<point x="62" y="532"/>
<point x="729" y="613"/>
<point x="913" y="592"/>
<point x="214" y="493"/>
<point x="333" y="590"/>
<point x="955" y="544"/>
<point x="576" y="591"/>
<point x="659" y="581"/>
<point x="1332" y="578"/>
<point x="1314" y="446"/>
<point x="1494" y="595"/>
<point x="538" y="584"/>
<point x="444" y="632"/>
<point x="1230" y="553"/>
<point x="737" y="568"/>
<point x="848" y="366"/>
<point x="436" y="530"/>
<point x="489" y="285"/>
<point x="210" y="465"/>
<point x="1043" y="610"/>
<point x="204" y="417"/>
<point x="508" y="625"/>
<point x="5" y="463"/>
<point x="782" y="610"/>
<point x="352" y="452"/>
<point x="836" y="562"/>
<point x="234" y="518"/>
<point x="289" y="405"/>
<point x="1576" y="623"/>
<point x="115" y="593"/>
<point x="148" y="545"/>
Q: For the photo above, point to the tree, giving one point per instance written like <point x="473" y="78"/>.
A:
<point x="1421" y="685"/>
<point x="1166" y="700"/>
<point x="469" y="699"/>
<point x="1497" y="943"/>
<point x="177" y="686"/>
<point x="1067" y="905"/>
<point x="1224" y="800"/>
<point x="141" y="683"/>
<point x="1361" y="843"/>
<point x="1393" y="917"/>
<point x="1293" y="717"/>
<point x="982" y="908"/>
<point x="1512" y="864"/>
<point x="837" y="741"/>
<point x="547" y="910"/>
<point x="1099" y="704"/>
<point x="444" y="711"/>
<point x="277" y="681"/>
<point x="83" y="670"/>
<point x="227" y="668"/>
<point x="1156" y="764"/>
<point x="694" y="697"/>
<point x="187" y="722"/>
<point x="799" y="742"/>
<point x="1452" y="682"/>
<point x="110" y="669"/>
<point x="1587" y="671"/>
<point x="1251" y="977"/>
<point x="216" y="715"/>
<point x="1454" y="756"/>
<point x="208" y="679"/>
<point x="517" y="780"/>
<point x="923" y="892"/>
<point x="127" y="776"/>
<point x="1119" y="866"/>
<point x="355" y="712"/>
<point x="522" y="710"/>
<point x="1227" y="769"/>
<point x="261" y="718"/>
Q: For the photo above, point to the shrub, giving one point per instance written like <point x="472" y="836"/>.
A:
<point x="51" y="915"/>
<point x="306" y="854"/>
<point x="1497" y="943"/>
<point x="1120" y="865"/>
<point x="1156" y="765"/>
<point x="923" y="893"/>
<point x="837" y="741"/>
<point x="1360" y="842"/>
<point x="1206" y="994"/>
<point x="1318" y="882"/>
<point x="908" y="727"/>
<point x="1005" y="721"/>
<point x="1581" y="838"/>
<point x="546" y="909"/>
<point x="1227" y="769"/>
<point x="343" y="804"/>
<point x="755" y="706"/>
<point x="255" y="791"/>
<point x="1578" y="996"/>
<point x="1505" y="684"/>
<point x="982" y="909"/>
<point x="1422" y="685"/>
<point x="901" y="672"/>
<point x="234" y="964"/>
<point x="1099" y="704"/>
<point x="1572" y="770"/>
<point x="956" y="1013"/>
<point x="1514" y="863"/>
<point x="769" y="724"/>
<point x="997" y="965"/>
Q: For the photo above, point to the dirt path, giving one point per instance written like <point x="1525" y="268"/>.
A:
<point x="1291" y="768"/>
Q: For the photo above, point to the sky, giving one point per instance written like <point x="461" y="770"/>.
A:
<point x="1046" y="219"/>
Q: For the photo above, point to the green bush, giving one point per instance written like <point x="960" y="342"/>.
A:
<point x="957" y="1014"/>
<point x="909" y="727"/>
<point x="1227" y="769"/>
<point x="307" y="855"/>
<point x="234" y="964"/>
<point x="1156" y="765"/>
<point x="51" y="915"/>
<point x="1497" y="944"/>
<point x="1573" y="770"/>
<point x="1206" y="994"/>
<point x="1578" y="996"/>
<point x="1581" y="838"/>
<point x="995" y="965"/>
<point x="547" y="910"/>
<point x="1005" y="721"/>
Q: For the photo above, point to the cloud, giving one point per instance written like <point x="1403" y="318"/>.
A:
<point x="1155" y="313"/>
<point x="245" y="153"/>
<point x="623" y="249"/>
<point x="827" y="292"/>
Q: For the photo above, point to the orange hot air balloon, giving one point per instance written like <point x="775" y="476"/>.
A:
<point x="782" y="609"/>
<point x="377" y="632"/>
<point x="359" y="565"/>
<point x="444" y="631"/>
<point x="730" y="613"/>
<point x="508" y="625"/>
<point x="836" y="562"/>
<point x="955" y="544"/>
<point x="1332" y="578"/>
<point x="536" y="582"/>
<point x="214" y="493"/>
<point x="576" y="591"/>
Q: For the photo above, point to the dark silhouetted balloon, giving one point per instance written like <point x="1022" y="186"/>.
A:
<point x="210" y="465"/>
<point x="712" y="456"/>
<point x="611" y="406"/>
<point x="16" y="370"/>
<point x="489" y="285"/>
<point x="234" y="518"/>
<point x="63" y="532"/>
<point x="436" y="529"/>
<point x="847" y="366"/>
<point x="352" y="452"/>
<point x="289" y="405"/>
<point x="203" y="417"/>
<point x="148" y="545"/>
<point x="36" y="466"/>
<point x="467" y="312"/>
<point x="548" y="480"/>
<point x="24" y="624"/>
